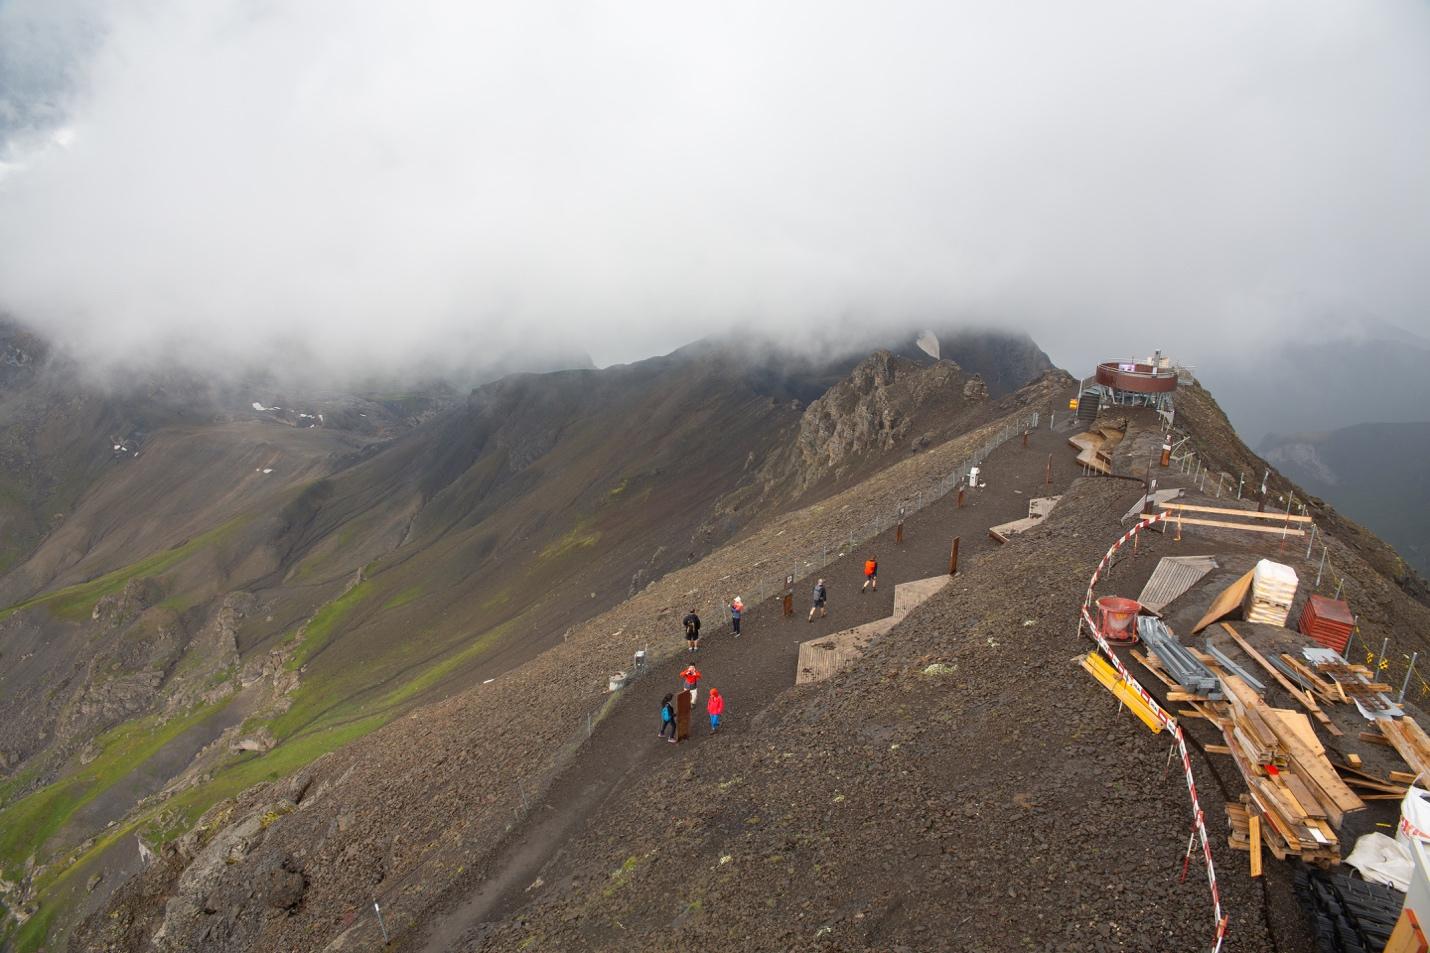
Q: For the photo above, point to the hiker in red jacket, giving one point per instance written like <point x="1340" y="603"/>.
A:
<point x="871" y="574"/>
<point x="715" y="705"/>
<point x="691" y="676"/>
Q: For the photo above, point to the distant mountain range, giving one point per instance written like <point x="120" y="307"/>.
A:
<point x="1376" y="473"/>
<point x="1341" y="378"/>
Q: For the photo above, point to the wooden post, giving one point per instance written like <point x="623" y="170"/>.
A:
<point x="953" y="558"/>
<point x="1025" y="438"/>
<point x="960" y="499"/>
<point x="1048" y="474"/>
<point x="899" y="533"/>
<point x="789" y="595"/>
<point x="1254" y="829"/>
<point x="682" y="715"/>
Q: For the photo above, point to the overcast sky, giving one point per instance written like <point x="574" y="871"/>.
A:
<point x="383" y="182"/>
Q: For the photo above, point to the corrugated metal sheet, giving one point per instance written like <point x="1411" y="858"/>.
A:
<point x="1173" y="576"/>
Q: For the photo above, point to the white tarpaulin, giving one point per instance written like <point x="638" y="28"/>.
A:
<point x="1382" y="860"/>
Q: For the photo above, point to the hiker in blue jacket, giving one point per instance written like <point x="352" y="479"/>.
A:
<point x="667" y="718"/>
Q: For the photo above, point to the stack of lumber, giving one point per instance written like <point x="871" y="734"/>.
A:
<point x="1328" y="622"/>
<point x="1273" y="589"/>
<point x="1407" y="737"/>
<point x="1294" y="790"/>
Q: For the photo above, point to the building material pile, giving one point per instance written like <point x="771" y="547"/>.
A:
<point x="1328" y="622"/>
<point x="1292" y="689"/>
<point x="1353" y="683"/>
<point x="1295" y="792"/>
<point x="1273" y="589"/>
<point x="1185" y="669"/>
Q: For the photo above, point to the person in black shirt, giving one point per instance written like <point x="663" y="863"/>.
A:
<point x="692" y="632"/>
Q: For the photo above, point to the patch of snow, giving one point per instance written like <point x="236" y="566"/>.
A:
<point x="258" y="406"/>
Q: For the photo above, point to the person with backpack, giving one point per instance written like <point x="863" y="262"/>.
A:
<point x="821" y="596"/>
<point x="871" y="574"/>
<point x="737" y="609"/>
<point x="691" y="677"/>
<point x="692" y="632"/>
<point x="667" y="718"/>
<point x="715" y="706"/>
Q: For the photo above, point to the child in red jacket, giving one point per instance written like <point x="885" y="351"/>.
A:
<point x="715" y="705"/>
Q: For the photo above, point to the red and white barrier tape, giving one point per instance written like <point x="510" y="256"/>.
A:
<point x="1166" y="720"/>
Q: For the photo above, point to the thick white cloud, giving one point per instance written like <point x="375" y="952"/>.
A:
<point x="386" y="182"/>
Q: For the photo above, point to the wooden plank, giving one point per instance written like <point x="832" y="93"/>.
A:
<point x="1375" y="738"/>
<point x="1310" y="804"/>
<point x="1407" y="937"/>
<point x="1353" y="760"/>
<point x="1409" y="740"/>
<point x="1305" y="699"/>
<point x="1300" y="724"/>
<point x="1226" y="511"/>
<point x="1327" y="690"/>
<point x="1254" y="829"/>
<point x="1280" y="530"/>
<point x="1404" y="777"/>
<point x="1216" y="749"/>
<point x="1230" y="599"/>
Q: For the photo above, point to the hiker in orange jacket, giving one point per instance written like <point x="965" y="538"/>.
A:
<point x="871" y="574"/>
<point x="715" y="705"/>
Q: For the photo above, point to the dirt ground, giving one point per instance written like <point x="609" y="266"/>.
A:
<point x="1005" y="806"/>
<point x="751" y="672"/>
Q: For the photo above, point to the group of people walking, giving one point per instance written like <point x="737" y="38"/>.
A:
<point x="690" y="675"/>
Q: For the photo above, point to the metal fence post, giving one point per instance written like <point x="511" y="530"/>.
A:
<point x="1324" y="549"/>
<point x="1383" y="646"/>
<point x="1406" y="684"/>
<point x="380" y="923"/>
